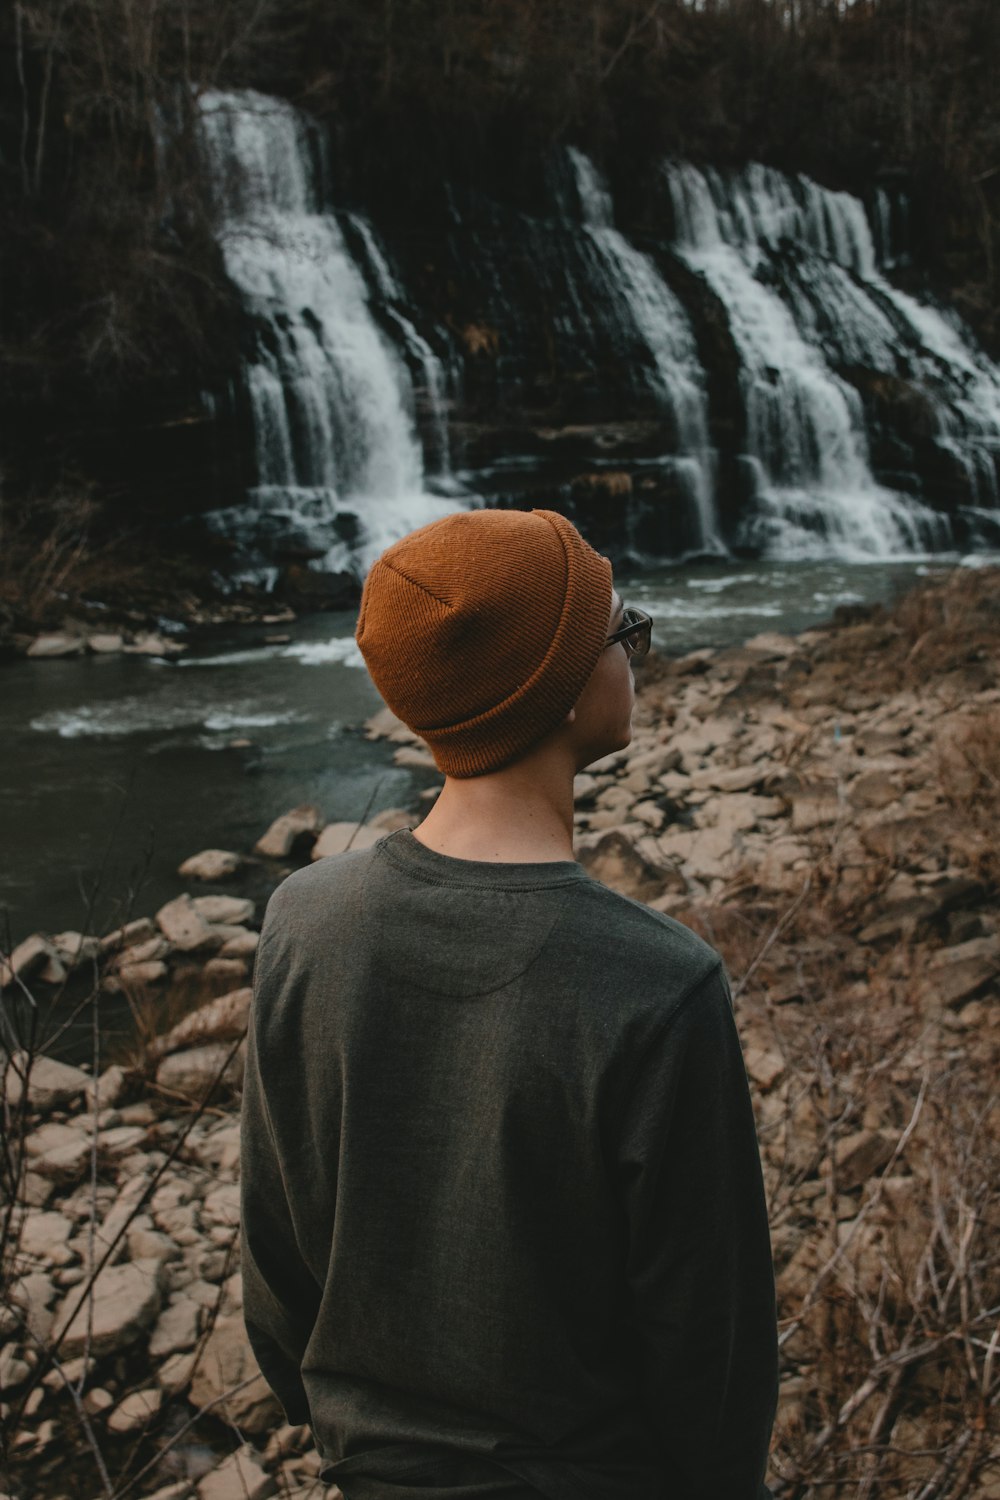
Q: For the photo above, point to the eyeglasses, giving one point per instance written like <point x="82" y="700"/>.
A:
<point x="635" y="633"/>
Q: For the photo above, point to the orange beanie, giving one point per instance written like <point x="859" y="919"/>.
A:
<point x="481" y="630"/>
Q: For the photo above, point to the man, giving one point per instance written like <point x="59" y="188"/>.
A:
<point x="504" y="1229"/>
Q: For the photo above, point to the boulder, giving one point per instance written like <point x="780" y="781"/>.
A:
<point x="183" y="924"/>
<point x="223" y="1019"/>
<point x="125" y="1300"/>
<point x="221" y="974"/>
<point x="814" y="807"/>
<point x="336" y="838"/>
<point x="415" y="758"/>
<point x="386" y="726"/>
<point x="764" y="1066"/>
<point x="860" y="1156"/>
<point x="176" y="1330"/>
<point x="614" y="859"/>
<point x="75" y="948"/>
<point x="195" y="1071"/>
<point x="105" y="1091"/>
<point x="150" y="643"/>
<point x="103" y="641"/>
<point x="136" y="1411"/>
<point x="30" y="1297"/>
<point x="129" y="935"/>
<point x="301" y="823"/>
<point x="58" y="1151"/>
<point x="234" y="910"/>
<point x="242" y="945"/>
<point x="136" y="976"/>
<point x="49" y="1083"/>
<point x="226" y="1361"/>
<point x="28" y="960"/>
<point x="238" y="1477"/>
<point x="43" y="1231"/>
<point x="56" y="643"/>
<point x="211" y="864"/>
<point x="728" y="778"/>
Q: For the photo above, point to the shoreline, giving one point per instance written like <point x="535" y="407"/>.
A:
<point x="822" y="808"/>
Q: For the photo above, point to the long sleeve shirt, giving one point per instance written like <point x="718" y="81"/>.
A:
<point x="502" y="1196"/>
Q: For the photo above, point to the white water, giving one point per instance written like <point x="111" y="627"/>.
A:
<point x="631" y="280"/>
<point x="807" y="446"/>
<point x="340" y="468"/>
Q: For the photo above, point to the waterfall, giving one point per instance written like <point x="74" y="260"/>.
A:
<point x="339" y="466"/>
<point x="631" y="281"/>
<point x="560" y="365"/>
<point x="806" y="439"/>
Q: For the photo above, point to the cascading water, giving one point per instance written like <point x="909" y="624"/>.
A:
<point x="806" y="439"/>
<point x="631" y="283"/>
<point x="870" y="421"/>
<point x="814" y="319"/>
<point x="340" y="470"/>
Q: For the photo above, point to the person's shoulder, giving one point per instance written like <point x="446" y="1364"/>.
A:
<point x="645" y="942"/>
<point x="315" y="890"/>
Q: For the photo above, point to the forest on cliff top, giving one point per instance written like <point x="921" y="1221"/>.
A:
<point x="114" y="297"/>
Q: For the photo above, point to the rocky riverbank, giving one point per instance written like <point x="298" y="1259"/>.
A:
<point x="821" y="807"/>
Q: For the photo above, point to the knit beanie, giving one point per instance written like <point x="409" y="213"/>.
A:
<point x="481" y="630"/>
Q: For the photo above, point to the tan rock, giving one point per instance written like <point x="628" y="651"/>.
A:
<point x="814" y="807"/>
<point x="49" y="1083"/>
<point x="241" y="945"/>
<point x="177" y="1329"/>
<point x="136" y="1411"/>
<point x="174" y="1374"/>
<point x="183" y="924"/>
<point x="221" y="974"/>
<point x="416" y="757"/>
<point x="728" y="778"/>
<point x="142" y="953"/>
<point x="337" y="838"/>
<point x="391" y="819"/>
<point x="135" y="977"/>
<point x="125" y="1300"/>
<point x="301" y="823"/>
<point x="105" y="1091"/>
<point x="226" y="1361"/>
<point x="150" y="643"/>
<point x="614" y="859"/>
<point x="195" y="1071"/>
<point x="56" y="643"/>
<point x="222" y="1019"/>
<point x="58" y="1151"/>
<point x="386" y="726"/>
<point x="30" y="1298"/>
<point x="860" y="1156"/>
<point x="42" y="1232"/>
<point x="874" y="789"/>
<point x="233" y="910"/>
<point x="211" y="864"/>
<point x="105" y="641"/>
<point x="765" y="1067"/>
<point x="238" y="1477"/>
<point x="127" y="937"/>
<point x="75" y="948"/>
<point x="28" y="960"/>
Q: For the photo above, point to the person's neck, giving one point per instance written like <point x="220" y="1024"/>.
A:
<point x="522" y="814"/>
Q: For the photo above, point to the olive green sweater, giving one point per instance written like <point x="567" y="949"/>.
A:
<point x="504" y="1227"/>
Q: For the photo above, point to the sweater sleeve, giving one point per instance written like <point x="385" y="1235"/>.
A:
<point x="280" y="1296"/>
<point x="699" y="1257"/>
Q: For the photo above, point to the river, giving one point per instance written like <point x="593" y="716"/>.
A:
<point x="119" y="767"/>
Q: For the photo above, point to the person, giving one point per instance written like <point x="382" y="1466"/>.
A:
<point x="503" y="1221"/>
